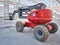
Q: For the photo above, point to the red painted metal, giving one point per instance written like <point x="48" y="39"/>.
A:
<point x="49" y="27"/>
<point x="39" y="17"/>
<point x="29" y="24"/>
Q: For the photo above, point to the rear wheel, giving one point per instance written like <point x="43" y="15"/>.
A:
<point x="53" y="27"/>
<point x="19" y="26"/>
<point x="41" y="33"/>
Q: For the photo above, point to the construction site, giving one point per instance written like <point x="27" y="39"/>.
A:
<point x="8" y="33"/>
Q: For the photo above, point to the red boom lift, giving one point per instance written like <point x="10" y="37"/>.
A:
<point x="40" y="22"/>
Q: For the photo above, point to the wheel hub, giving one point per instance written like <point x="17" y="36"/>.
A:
<point x="18" y="27"/>
<point x="39" y="32"/>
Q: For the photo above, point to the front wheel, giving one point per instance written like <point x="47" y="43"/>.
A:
<point x="41" y="33"/>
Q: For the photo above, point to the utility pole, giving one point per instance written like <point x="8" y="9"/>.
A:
<point x="6" y="9"/>
<point x="18" y="3"/>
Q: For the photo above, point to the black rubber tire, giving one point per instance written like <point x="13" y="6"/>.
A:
<point x="55" y="28"/>
<point x="41" y="29"/>
<point x="19" y="26"/>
